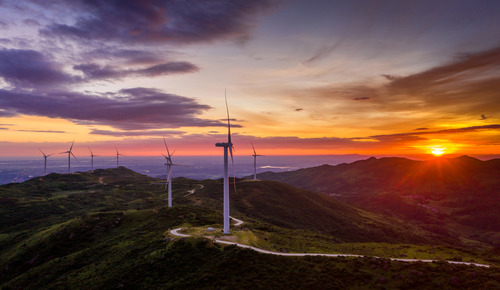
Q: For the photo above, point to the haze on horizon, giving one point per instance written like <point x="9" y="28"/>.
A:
<point x="302" y="77"/>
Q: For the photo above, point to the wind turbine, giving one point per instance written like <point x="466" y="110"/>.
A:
<point x="169" y="173"/>
<point x="92" y="155"/>
<point x="117" y="157"/>
<point x="227" y="145"/>
<point x="45" y="157"/>
<point x="254" y="162"/>
<point x="69" y="156"/>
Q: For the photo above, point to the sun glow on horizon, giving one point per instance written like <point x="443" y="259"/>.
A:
<point x="437" y="150"/>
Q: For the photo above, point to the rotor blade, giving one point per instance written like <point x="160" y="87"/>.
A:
<point x="91" y="154"/>
<point x="49" y="154"/>
<point x="116" y="150"/>
<point x="253" y="148"/>
<point x="172" y="154"/>
<point x="165" y="142"/>
<point x="228" y="121"/>
<point x="42" y="152"/>
<point x="74" y="156"/>
<point x="71" y="148"/>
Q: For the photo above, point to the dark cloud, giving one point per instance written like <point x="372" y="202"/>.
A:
<point x="94" y="71"/>
<point x="4" y="113"/>
<point x="32" y="69"/>
<point x="5" y="41"/>
<point x="420" y="129"/>
<point x="31" y="22"/>
<point x="168" y="68"/>
<point x="127" y="56"/>
<point x="190" y="21"/>
<point x="483" y="117"/>
<point x="29" y="68"/>
<point x="136" y="133"/>
<point x="417" y="135"/>
<point x="128" y="109"/>
<point x="298" y="109"/>
<point x="361" y="98"/>
<point x="3" y="128"/>
<point x="469" y="86"/>
<point x="391" y="77"/>
<point x="40" y="131"/>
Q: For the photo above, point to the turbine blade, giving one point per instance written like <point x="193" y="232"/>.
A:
<point x="165" y="142"/>
<point x="73" y="156"/>
<point x="50" y="154"/>
<point x="71" y="148"/>
<point x="253" y="148"/>
<point x="228" y="121"/>
<point x="91" y="154"/>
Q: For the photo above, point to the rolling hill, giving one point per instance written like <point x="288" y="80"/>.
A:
<point x="458" y="198"/>
<point x="109" y="229"/>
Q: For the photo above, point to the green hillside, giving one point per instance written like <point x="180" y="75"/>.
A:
<point x="110" y="229"/>
<point x="457" y="198"/>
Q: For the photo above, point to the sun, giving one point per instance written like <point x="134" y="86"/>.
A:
<point x="438" y="150"/>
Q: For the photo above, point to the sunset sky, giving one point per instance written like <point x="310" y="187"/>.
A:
<point x="302" y="77"/>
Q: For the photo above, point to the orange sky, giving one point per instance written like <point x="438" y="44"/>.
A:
<point x="302" y="77"/>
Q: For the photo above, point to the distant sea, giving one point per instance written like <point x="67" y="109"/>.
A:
<point x="19" y="169"/>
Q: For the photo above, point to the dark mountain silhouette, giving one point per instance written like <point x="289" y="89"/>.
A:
<point x="457" y="197"/>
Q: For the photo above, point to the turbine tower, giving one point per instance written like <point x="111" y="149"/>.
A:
<point x="117" y="157"/>
<point x="45" y="157"/>
<point x="227" y="145"/>
<point x="69" y="156"/>
<point x="92" y="155"/>
<point x="169" y="173"/>
<point x="254" y="162"/>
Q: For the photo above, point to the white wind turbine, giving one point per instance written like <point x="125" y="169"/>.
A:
<point x="255" y="162"/>
<point x="227" y="145"/>
<point x="117" y="157"/>
<point x="92" y="155"/>
<point x="45" y="157"/>
<point x="69" y="156"/>
<point x="169" y="164"/>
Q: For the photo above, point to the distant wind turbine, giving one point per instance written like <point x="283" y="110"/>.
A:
<point x="117" y="157"/>
<point x="45" y="157"/>
<point x="92" y="155"/>
<point x="227" y="145"/>
<point x="254" y="162"/>
<point x="169" y="173"/>
<point x="69" y="156"/>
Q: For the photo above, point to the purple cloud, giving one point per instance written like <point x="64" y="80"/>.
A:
<point x="128" y="109"/>
<point x="136" y="133"/>
<point x="29" y="68"/>
<point x="40" y="131"/>
<point x="361" y="98"/>
<point x="95" y="71"/>
<point x="128" y="56"/>
<point x="190" y="21"/>
<point x="416" y="135"/>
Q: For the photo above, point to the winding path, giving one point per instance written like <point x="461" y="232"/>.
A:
<point x="175" y="232"/>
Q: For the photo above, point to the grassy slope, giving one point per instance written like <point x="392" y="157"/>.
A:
<point x="108" y="233"/>
<point x="453" y="198"/>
